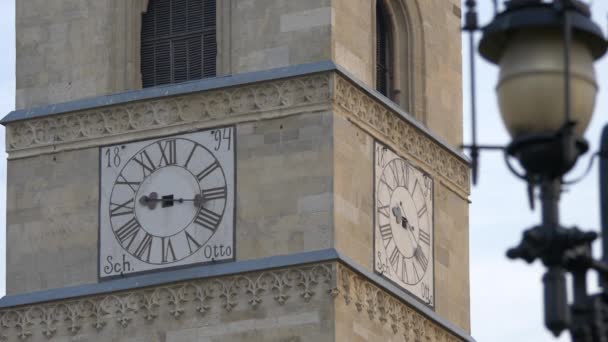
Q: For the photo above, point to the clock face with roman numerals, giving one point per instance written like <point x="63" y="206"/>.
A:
<point x="167" y="202"/>
<point x="403" y="232"/>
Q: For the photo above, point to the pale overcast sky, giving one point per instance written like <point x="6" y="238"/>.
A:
<point x="506" y="299"/>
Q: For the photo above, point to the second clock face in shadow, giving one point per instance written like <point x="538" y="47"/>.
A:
<point x="403" y="223"/>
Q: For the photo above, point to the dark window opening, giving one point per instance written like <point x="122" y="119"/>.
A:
<point x="383" y="50"/>
<point x="178" y="41"/>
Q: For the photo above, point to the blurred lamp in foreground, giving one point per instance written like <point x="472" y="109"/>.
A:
<point x="546" y="93"/>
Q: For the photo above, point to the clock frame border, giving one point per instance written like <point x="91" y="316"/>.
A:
<point x="176" y="267"/>
<point x="408" y="160"/>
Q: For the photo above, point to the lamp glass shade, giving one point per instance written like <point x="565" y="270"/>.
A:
<point x="531" y="83"/>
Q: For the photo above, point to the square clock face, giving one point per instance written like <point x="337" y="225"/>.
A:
<point x="403" y="224"/>
<point x="167" y="202"/>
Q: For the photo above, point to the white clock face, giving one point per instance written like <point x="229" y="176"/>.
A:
<point x="403" y="237"/>
<point x="167" y="202"/>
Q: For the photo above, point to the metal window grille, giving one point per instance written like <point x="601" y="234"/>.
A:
<point x="178" y="41"/>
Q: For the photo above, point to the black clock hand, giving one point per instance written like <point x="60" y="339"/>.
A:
<point x="397" y="213"/>
<point x="152" y="199"/>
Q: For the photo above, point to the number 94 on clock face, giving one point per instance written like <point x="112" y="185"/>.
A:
<point x="167" y="202"/>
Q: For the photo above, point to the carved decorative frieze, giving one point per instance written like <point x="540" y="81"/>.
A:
<point x="200" y="300"/>
<point x="355" y="103"/>
<point x="232" y="105"/>
<point x="172" y="111"/>
<point x="194" y="299"/>
<point x="377" y="305"/>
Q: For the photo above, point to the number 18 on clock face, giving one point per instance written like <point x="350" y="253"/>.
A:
<point x="167" y="202"/>
<point x="403" y="227"/>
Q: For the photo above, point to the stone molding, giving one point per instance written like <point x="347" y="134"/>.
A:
<point x="199" y="298"/>
<point x="381" y="307"/>
<point x="194" y="299"/>
<point x="374" y="117"/>
<point x="169" y="115"/>
<point x="211" y="106"/>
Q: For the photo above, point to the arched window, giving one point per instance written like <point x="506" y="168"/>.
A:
<point x="399" y="56"/>
<point x="178" y="41"/>
<point x="384" y="51"/>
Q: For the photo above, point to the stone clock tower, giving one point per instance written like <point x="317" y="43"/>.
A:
<point x="237" y="170"/>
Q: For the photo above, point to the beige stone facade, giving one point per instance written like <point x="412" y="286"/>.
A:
<point x="318" y="302"/>
<point x="304" y="172"/>
<point x="75" y="49"/>
<point x="308" y="150"/>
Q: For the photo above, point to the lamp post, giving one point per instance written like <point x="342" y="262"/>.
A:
<point x="546" y="92"/>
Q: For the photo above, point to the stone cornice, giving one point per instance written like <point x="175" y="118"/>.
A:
<point x="194" y="300"/>
<point x="387" y="123"/>
<point x="368" y="299"/>
<point x="230" y="100"/>
<point x="110" y="124"/>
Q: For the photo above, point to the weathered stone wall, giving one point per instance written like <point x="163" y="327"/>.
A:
<point x="51" y="223"/>
<point x="304" y="303"/>
<point x="291" y="305"/>
<point x="270" y="34"/>
<point x="354" y="220"/>
<point x="81" y="48"/>
<point x="431" y="58"/>
<point x="284" y="206"/>
<point x="304" y="179"/>
<point x="284" y="186"/>
<point x="74" y="49"/>
<point x="354" y="136"/>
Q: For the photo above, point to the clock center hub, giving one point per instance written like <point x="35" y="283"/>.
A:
<point x="404" y="222"/>
<point x="167" y="186"/>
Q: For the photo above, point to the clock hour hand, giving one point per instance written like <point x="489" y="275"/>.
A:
<point x="152" y="199"/>
<point x="405" y="222"/>
<point x="397" y="211"/>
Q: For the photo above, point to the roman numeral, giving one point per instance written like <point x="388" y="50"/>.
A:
<point x="414" y="189"/>
<point x="123" y="181"/>
<point x="167" y="249"/>
<point x="386" y="232"/>
<point x="190" y="156"/>
<point x="128" y="232"/>
<point x="192" y="241"/>
<point x="385" y="211"/>
<point x="404" y="275"/>
<point x="145" y="162"/>
<point x="145" y="247"/>
<point x="405" y="170"/>
<point x="214" y="193"/>
<point x="416" y="276"/>
<point x="422" y="211"/>
<point x="395" y="171"/>
<point x="383" y="180"/>
<point x="421" y="258"/>
<point x="424" y="237"/>
<point x="121" y="209"/>
<point x="428" y="183"/>
<point x="168" y="152"/>
<point x="394" y="258"/>
<point x="207" y="171"/>
<point x="208" y="219"/>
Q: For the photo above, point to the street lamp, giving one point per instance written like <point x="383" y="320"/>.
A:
<point x="546" y="92"/>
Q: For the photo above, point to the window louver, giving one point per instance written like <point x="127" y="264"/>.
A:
<point x="178" y="41"/>
<point x="383" y="65"/>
